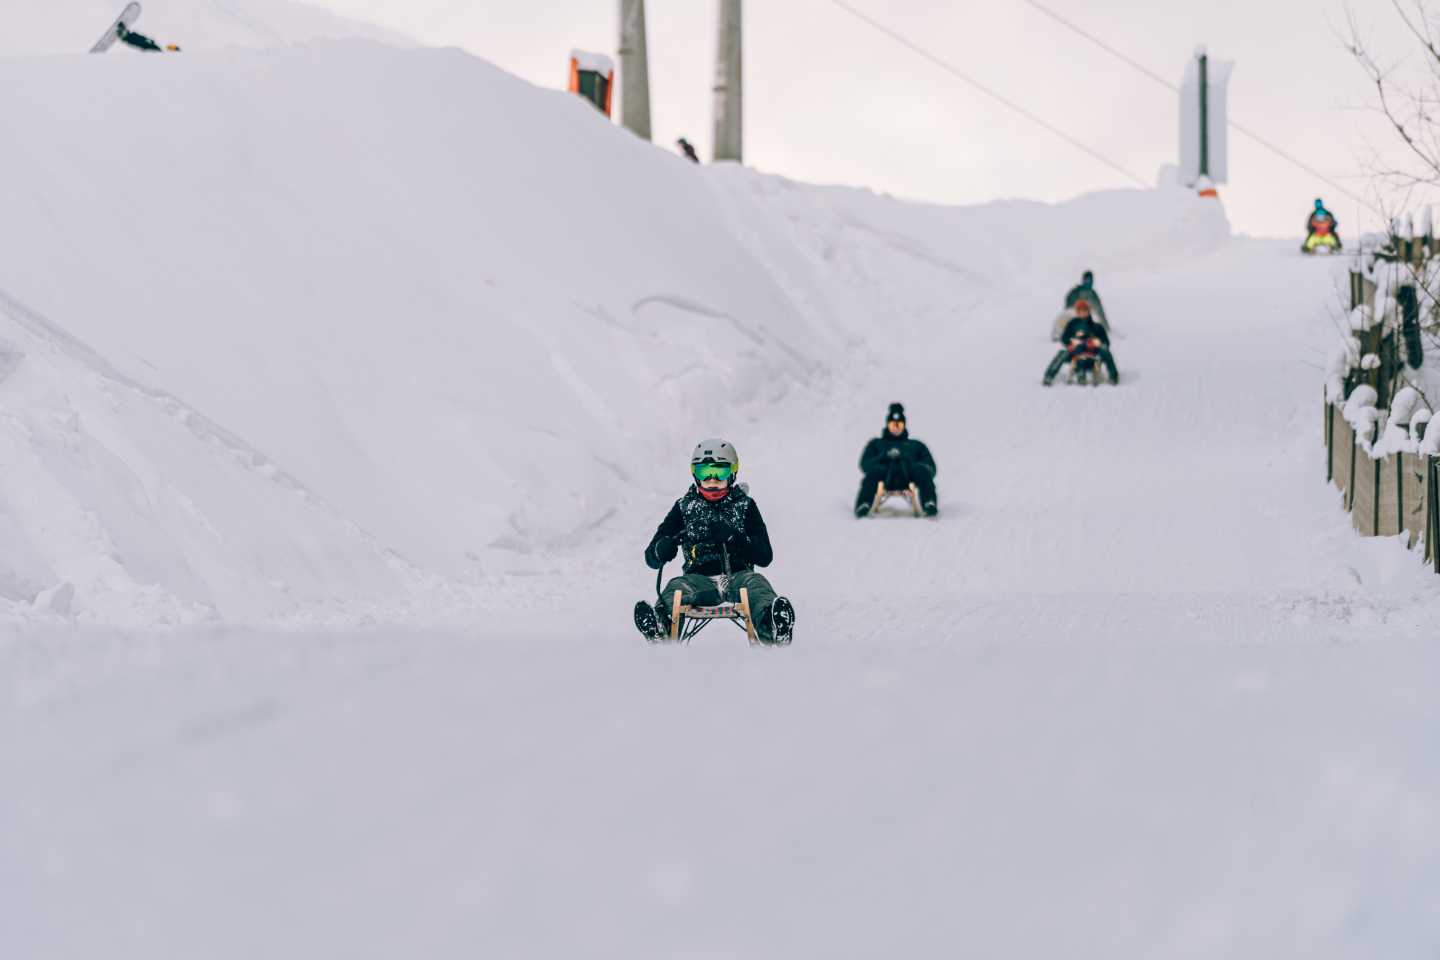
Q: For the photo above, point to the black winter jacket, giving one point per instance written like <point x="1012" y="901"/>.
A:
<point x="708" y="534"/>
<point x="1084" y="327"/>
<point x="139" y="41"/>
<point x="876" y="456"/>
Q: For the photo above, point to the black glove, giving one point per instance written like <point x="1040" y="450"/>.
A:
<point x="893" y="453"/>
<point x="664" y="548"/>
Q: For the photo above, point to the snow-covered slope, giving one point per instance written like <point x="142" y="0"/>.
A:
<point x="345" y="333"/>
<point x="48" y="27"/>
<point x="442" y="319"/>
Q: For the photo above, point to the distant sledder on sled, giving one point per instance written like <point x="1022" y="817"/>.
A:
<point x="1083" y="291"/>
<point x="896" y="465"/>
<point x="722" y="538"/>
<point x="1084" y="352"/>
<point x="1322" y="231"/>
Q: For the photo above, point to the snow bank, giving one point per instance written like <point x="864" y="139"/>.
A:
<point x="341" y="322"/>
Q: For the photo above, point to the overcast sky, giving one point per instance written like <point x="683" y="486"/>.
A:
<point x="831" y="100"/>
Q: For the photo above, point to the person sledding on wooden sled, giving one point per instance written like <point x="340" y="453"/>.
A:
<point x="718" y="531"/>
<point x="1085" y="347"/>
<point x="895" y="464"/>
<point x="1322" y="231"/>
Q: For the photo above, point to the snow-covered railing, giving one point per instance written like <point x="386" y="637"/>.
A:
<point x="1394" y="292"/>
<point x="1387" y="466"/>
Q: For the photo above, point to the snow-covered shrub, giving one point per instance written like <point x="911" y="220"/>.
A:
<point x="1405" y="404"/>
<point x="1360" y="412"/>
<point x="1361" y="398"/>
<point x="1417" y="427"/>
<point x="1430" y="444"/>
<point x="1342" y="360"/>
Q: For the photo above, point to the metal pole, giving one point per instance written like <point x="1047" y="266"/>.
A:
<point x="634" y="69"/>
<point x="729" y="86"/>
<point x="1204" y="115"/>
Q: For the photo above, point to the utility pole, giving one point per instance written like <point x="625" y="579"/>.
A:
<point x="634" y="69"/>
<point x="1204" y="160"/>
<point x="1204" y="113"/>
<point x="729" y="87"/>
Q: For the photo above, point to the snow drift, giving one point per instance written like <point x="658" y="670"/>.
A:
<point x="308" y="330"/>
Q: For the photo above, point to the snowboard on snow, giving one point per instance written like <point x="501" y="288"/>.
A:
<point x="125" y="21"/>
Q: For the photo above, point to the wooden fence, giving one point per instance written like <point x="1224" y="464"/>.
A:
<point x="1386" y="496"/>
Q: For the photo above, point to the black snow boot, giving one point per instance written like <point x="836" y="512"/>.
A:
<point x="930" y="508"/>
<point x="649" y="621"/>
<point x="781" y="617"/>
<point x="862" y="508"/>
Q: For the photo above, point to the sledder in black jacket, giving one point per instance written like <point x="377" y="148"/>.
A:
<point x="897" y="460"/>
<point x="719" y="533"/>
<point x="724" y="536"/>
<point x="1075" y="341"/>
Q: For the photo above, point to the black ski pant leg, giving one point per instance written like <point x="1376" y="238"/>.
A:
<point x="1109" y="362"/>
<point x="1054" y="369"/>
<point x="696" y="590"/>
<point x="761" y="594"/>
<point x="870" y="485"/>
<point x="924" y="479"/>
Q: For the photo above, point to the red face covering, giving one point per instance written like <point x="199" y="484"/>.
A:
<point x="714" y="495"/>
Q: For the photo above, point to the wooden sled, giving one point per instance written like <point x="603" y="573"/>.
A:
<point x="910" y="493"/>
<point x="686" y="620"/>
<point x="1093" y="376"/>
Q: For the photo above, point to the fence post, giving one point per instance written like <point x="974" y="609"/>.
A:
<point x="1400" y="495"/>
<point x="1375" y="505"/>
<point x="1432" y="538"/>
<point x="1329" y="441"/>
<point x="1350" y="487"/>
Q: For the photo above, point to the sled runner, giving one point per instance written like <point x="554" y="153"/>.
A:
<point x="910" y="493"/>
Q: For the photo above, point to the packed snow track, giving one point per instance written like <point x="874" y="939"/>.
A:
<point x="327" y="459"/>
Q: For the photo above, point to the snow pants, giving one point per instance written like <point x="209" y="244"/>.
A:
<point x="698" y="590"/>
<point x="897" y="476"/>
<point x="1063" y="357"/>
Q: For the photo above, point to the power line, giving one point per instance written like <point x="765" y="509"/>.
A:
<point x="1238" y="128"/>
<point x="1104" y="46"/>
<point x="992" y="94"/>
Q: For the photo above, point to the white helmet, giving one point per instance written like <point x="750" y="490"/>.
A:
<point x="715" y="450"/>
